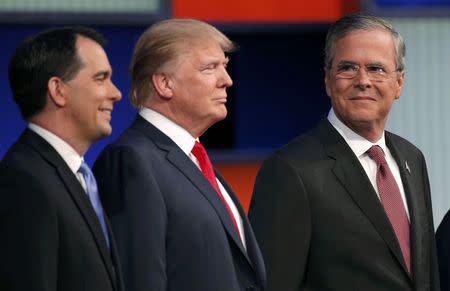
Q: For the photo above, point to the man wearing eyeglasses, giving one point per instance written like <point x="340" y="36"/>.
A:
<point x="347" y="205"/>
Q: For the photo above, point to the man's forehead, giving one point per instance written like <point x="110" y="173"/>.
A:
<point x="373" y="43"/>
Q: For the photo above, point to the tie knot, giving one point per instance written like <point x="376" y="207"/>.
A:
<point x="84" y="169"/>
<point x="376" y="153"/>
<point x="199" y="151"/>
<point x="88" y="176"/>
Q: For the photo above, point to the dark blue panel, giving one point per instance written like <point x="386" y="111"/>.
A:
<point x="407" y="8"/>
<point x="409" y="3"/>
<point x="279" y="87"/>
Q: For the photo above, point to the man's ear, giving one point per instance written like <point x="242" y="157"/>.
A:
<point x="56" y="91"/>
<point x="163" y="85"/>
<point x="400" y="83"/>
<point x="327" y="83"/>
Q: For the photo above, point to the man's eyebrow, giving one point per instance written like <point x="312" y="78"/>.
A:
<point x="374" y="64"/>
<point x="103" y="74"/>
<point x="215" y="62"/>
<point x="377" y="64"/>
<point x="345" y="62"/>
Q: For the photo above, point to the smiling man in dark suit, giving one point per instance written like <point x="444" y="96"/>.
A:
<point x="54" y="236"/>
<point x="347" y="205"/>
<point x="178" y="224"/>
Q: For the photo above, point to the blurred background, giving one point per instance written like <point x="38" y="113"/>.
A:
<point x="278" y="90"/>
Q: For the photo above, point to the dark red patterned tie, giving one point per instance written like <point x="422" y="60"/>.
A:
<point x="392" y="202"/>
<point x="205" y="165"/>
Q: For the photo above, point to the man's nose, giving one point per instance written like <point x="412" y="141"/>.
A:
<point x="362" y="77"/>
<point x="116" y="95"/>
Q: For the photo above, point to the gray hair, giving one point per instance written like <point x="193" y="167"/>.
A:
<point x="359" y="21"/>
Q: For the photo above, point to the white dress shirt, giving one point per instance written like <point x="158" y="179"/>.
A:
<point x="359" y="145"/>
<point x="67" y="153"/>
<point x="185" y="141"/>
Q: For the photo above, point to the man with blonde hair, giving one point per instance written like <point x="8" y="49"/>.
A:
<point x="179" y="226"/>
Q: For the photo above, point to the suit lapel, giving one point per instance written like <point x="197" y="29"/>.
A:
<point x="253" y="253"/>
<point x="80" y="198"/>
<point x="410" y="175"/>
<point x="182" y="162"/>
<point x="353" y="178"/>
<point x="188" y="168"/>
<point x="115" y="260"/>
<point x="77" y="194"/>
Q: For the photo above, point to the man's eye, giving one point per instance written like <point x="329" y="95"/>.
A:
<point x="376" y="69"/>
<point x="209" y="67"/>
<point x="348" y="68"/>
<point x="100" y="78"/>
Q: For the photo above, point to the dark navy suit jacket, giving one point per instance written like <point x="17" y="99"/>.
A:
<point x="173" y="231"/>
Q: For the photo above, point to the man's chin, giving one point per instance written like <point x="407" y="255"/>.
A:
<point x="222" y="112"/>
<point x="104" y="132"/>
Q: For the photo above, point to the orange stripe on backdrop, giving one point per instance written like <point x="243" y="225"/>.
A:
<point x="264" y="10"/>
<point x="241" y="176"/>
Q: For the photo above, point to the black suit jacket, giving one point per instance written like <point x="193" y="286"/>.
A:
<point x="321" y="226"/>
<point x="50" y="235"/>
<point x="173" y="231"/>
<point x="443" y="248"/>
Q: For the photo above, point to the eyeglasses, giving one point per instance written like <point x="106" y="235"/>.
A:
<point x="375" y="72"/>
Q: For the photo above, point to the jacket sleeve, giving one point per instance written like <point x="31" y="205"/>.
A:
<point x="434" y="267"/>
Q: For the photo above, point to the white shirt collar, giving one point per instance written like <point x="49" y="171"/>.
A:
<point x="179" y="135"/>
<point x="69" y="155"/>
<point x="357" y="143"/>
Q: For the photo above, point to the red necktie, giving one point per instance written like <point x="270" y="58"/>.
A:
<point x="205" y="165"/>
<point x="392" y="202"/>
